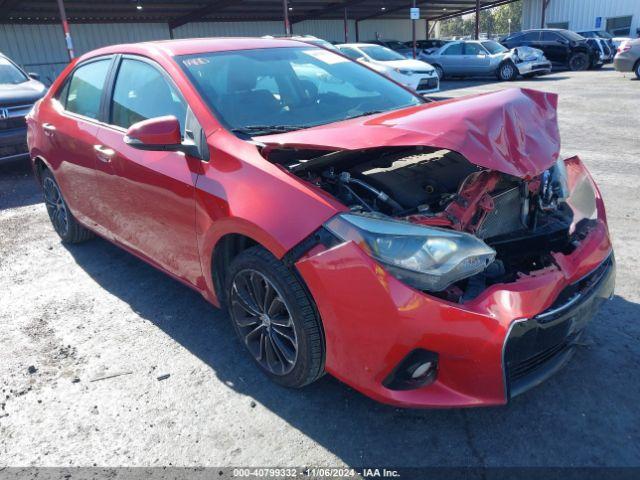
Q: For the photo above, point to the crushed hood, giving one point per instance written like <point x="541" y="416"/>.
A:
<point x="514" y="131"/>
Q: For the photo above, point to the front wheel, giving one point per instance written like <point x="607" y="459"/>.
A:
<point x="275" y="318"/>
<point x="507" y="72"/>
<point x="439" y="71"/>
<point x="578" y="62"/>
<point x="63" y="221"/>
<point x="637" y="69"/>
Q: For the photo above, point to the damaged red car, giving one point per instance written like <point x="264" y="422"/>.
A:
<point x="428" y="254"/>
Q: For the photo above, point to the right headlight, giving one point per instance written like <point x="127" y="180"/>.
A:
<point x="426" y="258"/>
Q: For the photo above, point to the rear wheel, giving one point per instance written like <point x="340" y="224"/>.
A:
<point x="578" y="62"/>
<point x="507" y="72"/>
<point x="63" y="221"/>
<point x="636" y="69"/>
<point x="275" y="318"/>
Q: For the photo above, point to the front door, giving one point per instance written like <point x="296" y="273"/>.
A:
<point x="147" y="197"/>
<point x="477" y="59"/>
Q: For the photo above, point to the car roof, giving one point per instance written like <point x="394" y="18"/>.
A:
<point x="191" y="46"/>
<point x="361" y="44"/>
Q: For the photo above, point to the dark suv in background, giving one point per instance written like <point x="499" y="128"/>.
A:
<point x="18" y="92"/>
<point x="561" y="47"/>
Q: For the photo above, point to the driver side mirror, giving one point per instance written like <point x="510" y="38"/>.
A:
<point x="160" y="134"/>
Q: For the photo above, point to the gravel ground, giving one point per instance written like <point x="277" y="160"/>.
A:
<point x="89" y="331"/>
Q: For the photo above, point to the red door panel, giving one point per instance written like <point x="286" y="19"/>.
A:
<point x="147" y="202"/>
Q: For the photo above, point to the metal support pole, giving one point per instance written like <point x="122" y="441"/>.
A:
<point x="477" y="19"/>
<point x="65" y="28"/>
<point x="426" y="29"/>
<point x="545" y="3"/>
<point x="346" y="26"/>
<point x="287" y="24"/>
<point x="357" y="31"/>
<point x="413" y="33"/>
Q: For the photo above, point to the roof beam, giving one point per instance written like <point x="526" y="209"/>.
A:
<point x="202" y="12"/>
<point x="496" y="3"/>
<point x="428" y="3"/>
<point x="332" y="7"/>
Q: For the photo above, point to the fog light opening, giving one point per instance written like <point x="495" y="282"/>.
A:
<point x="418" y="369"/>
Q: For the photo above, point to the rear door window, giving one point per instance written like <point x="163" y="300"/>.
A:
<point x="83" y="91"/>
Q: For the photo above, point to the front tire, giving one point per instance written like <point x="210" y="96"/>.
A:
<point x="63" y="221"/>
<point x="578" y="62"/>
<point x="507" y="72"/>
<point x="439" y="71"/>
<point x="636" y="69"/>
<point x="275" y="318"/>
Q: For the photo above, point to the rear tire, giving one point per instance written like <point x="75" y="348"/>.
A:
<point x="275" y="318"/>
<point x="578" y="62"/>
<point x="636" y="69"/>
<point x="63" y="221"/>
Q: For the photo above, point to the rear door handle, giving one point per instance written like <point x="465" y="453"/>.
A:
<point x="103" y="153"/>
<point x="49" y="129"/>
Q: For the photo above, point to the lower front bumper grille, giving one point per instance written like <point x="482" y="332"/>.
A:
<point x="537" y="348"/>
<point x="427" y="84"/>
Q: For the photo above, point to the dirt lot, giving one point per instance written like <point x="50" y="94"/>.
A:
<point x="72" y="316"/>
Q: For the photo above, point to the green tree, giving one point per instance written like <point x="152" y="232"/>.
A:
<point x="494" y="21"/>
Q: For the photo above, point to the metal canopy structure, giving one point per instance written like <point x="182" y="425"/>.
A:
<point x="181" y="12"/>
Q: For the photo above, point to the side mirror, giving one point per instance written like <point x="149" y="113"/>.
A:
<point x="159" y="134"/>
<point x="34" y="75"/>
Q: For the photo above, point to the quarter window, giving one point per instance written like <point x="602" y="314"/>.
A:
<point x="83" y="92"/>
<point x="142" y="92"/>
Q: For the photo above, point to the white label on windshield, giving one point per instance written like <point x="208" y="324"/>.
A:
<point x="326" y="57"/>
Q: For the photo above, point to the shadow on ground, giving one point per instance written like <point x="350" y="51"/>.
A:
<point x="586" y="415"/>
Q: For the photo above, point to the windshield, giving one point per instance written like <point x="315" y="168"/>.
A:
<point x="381" y="54"/>
<point x="494" y="47"/>
<point x="279" y="89"/>
<point x="10" y="74"/>
<point x="396" y="45"/>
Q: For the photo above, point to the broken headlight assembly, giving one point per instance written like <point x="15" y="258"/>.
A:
<point x="427" y="258"/>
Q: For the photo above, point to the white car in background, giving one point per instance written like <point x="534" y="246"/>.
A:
<point x="415" y="74"/>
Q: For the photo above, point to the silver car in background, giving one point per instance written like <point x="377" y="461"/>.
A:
<point x="468" y="58"/>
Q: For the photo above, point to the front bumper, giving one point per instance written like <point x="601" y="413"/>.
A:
<point x="13" y="144"/>
<point x="372" y="321"/>
<point x="535" y="66"/>
<point x="422" y="83"/>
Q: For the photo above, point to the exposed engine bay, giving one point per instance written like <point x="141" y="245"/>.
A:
<point x="524" y="220"/>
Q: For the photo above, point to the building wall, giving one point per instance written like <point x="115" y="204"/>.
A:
<point x="41" y="48"/>
<point x="581" y="14"/>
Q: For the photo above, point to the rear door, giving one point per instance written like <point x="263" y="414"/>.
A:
<point x="147" y="197"/>
<point x="69" y="126"/>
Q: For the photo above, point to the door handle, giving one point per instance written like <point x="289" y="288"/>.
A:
<point x="103" y="153"/>
<point x="49" y="129"/>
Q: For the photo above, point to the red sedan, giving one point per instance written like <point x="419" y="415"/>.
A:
<point x="429" y="254"/>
